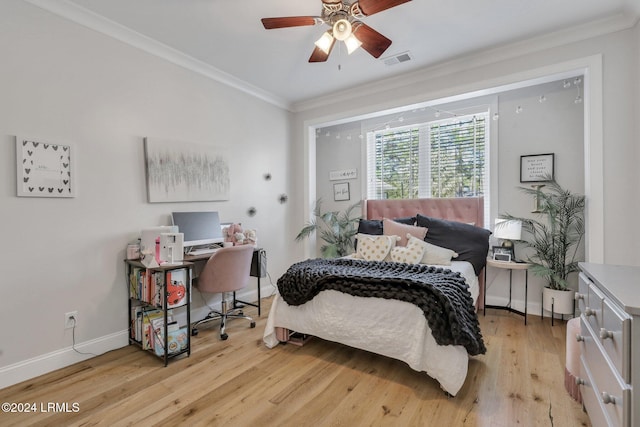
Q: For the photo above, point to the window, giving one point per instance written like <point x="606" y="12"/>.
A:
<point x="394" y="163"/>
<point x="444" y="158"/>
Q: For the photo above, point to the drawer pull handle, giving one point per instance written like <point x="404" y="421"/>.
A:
<point x="579" y="296"/>
<point x="604" y="334"/>
<point x="579" y="338"/>
<point x="589" y="312"/>
<point x="580" y="381"/>
<point x="607" y="398"/>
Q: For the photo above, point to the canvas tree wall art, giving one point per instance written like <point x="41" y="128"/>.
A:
<point x="44" y="169"/>
<point x="185" y="172"/>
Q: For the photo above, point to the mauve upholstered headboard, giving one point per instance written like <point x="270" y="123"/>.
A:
<point x="461" y="209"/>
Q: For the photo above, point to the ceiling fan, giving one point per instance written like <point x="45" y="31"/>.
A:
<point x="344" y="19"/>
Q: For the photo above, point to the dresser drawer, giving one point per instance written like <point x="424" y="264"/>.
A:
<point x="615" y="337"/>
<point x="590" y="399"/>
<point x="582" y="295"/>
<point x="593" y="310"/>
<point x="613" y="394"/>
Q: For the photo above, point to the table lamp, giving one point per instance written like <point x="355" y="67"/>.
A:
<point x="508" y="230"/>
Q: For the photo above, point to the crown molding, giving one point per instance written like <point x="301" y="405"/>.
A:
<point x="482" y="58"/>
<point x="99" y="23"/>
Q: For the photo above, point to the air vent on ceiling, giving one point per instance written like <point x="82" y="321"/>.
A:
<point x="396" y="59"/>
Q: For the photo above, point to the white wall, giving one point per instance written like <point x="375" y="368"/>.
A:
<point x="63" y="83"/>
<point x="335" y="152"/>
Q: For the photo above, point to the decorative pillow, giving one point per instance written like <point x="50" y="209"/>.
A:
<point x="411" y="254"/>
<point x="375" y="248"/>
<point x="391" y="228"/>
<point x="437" y="255"/>
<point x="374" y="226"/>
<point x="370" y="226"/>
<point x="433" y="254"/>
<point x="410" y="220"/>
<point x="470" y="242"/>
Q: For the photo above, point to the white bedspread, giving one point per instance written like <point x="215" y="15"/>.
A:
<point x="392" y="328"/>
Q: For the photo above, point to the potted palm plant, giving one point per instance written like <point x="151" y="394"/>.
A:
<point x="336" y="229"/>
<point x="555" y="239"/>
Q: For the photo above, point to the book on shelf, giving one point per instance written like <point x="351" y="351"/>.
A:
<point x="177" y="339"/>
<point x="140" y="284"/>
<point x="177" y="288"/>
<point x="148" y="316"/>
<point x="136" y="322"/>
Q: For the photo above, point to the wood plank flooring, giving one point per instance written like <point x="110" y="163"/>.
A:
<point x="239" y="382"/>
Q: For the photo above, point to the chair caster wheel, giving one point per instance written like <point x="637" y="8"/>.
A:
<point x="194" y="332"/>
<point x="253" y="324"/>
<point x="223" y="337"/>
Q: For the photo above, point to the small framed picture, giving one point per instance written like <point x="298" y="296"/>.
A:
<point x="44" y="168"/>
<point x="341" y="191"/>
<point x="502" y="253"/>
<point x="537" y="168"/>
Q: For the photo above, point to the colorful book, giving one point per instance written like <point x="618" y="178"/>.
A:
<point x="148" y="316"/>
<point x="176" y="288"/>
<point x="178" y="340"/>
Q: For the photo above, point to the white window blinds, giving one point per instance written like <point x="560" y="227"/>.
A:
<point x="393" y="163"/>
<point x="444" y="158"/>
<point x="457" y="157"/>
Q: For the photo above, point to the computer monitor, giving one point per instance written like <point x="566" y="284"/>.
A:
<point x="199" y="228"/>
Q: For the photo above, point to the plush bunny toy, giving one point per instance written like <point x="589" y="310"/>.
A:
<point x="234" y="234"/>
<point x="250" y="237"/>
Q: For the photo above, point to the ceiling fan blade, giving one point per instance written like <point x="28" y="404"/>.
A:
<point x="319" y="55"/>
<point x="372" y="41"/>
<point x="369" y="7"/>
<point x="289" y="21"/>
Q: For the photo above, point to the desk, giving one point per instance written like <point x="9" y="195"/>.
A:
<point x="508" y="265"/>
<point x="258" y="269"/>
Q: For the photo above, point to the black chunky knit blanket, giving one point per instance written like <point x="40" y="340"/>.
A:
<point x="441" y="294"/>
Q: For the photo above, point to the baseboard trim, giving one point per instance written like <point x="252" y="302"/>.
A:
<point x="31" y="368"/>
<point x="43" y="364"/>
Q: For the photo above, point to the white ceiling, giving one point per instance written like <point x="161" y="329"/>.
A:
<point x="227" y="38"/>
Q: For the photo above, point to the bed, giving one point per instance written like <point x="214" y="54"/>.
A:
<point x="384" y="325"/>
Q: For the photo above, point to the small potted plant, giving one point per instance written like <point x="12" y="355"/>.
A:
<point x="556" y="240"/>
<point x="336" y="229"/>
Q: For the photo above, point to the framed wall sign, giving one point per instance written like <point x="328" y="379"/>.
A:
<point x="343" y="174"/>
<point x="341" y="191"/>
<point x="44" y="169"/>
<point x="537" y="168"/>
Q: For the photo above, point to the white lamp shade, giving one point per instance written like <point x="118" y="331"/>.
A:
<point x="508" y="229"/>
<point x="352" y="43"/>
<point x="342" y="29"/>
<point x="325" y="42"/>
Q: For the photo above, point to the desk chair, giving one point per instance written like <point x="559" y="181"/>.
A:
<point x="226" y="271"/>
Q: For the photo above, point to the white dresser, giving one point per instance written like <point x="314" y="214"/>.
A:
<point x="609" y="302"/>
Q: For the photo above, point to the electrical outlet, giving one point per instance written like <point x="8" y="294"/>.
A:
<point x="70" y="319"/>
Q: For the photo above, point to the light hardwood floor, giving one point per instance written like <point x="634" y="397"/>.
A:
<point x="239" y="382"/>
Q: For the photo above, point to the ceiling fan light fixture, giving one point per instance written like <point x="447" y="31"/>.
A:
<point x="325" y="42"/>
<point x="352" y="43"/>
<point x="341" y="29"/>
